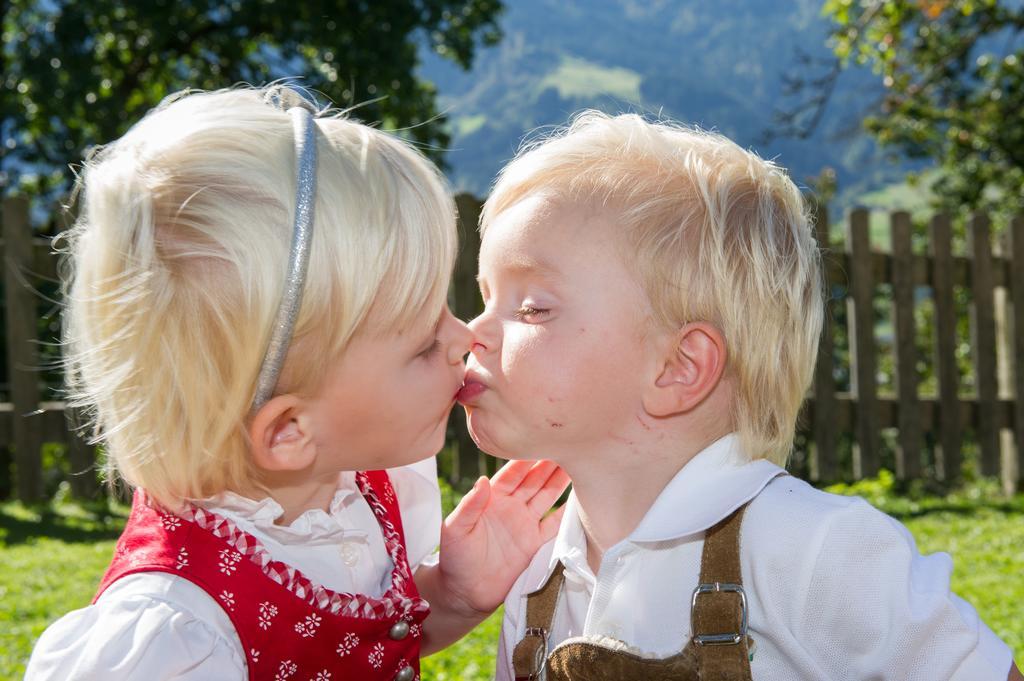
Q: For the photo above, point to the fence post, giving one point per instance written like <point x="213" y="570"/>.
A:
<point x="1004" y="389"/>
<point x="983" y="341"/>
<point x="861" y="321"/>
<point x="82" y="457"/>
<point x="1016" y="255"/>
<point x="22" y="360"/>
<point x="947" y="373"/>
<point x="908" y="454"/>
<point x="825" y="466"/>
<point x="469" y="462"/>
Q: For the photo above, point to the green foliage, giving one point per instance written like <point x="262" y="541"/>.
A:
<point x="449" y="497"/>
<point x="954" y="90"/>
<point x="80" y="73"/>
<point x="885" y="493"/>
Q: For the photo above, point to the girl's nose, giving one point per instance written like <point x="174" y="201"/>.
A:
<point x="462" y="340"/>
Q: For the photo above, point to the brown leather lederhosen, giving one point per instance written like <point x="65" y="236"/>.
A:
<point x="719" y="649"/>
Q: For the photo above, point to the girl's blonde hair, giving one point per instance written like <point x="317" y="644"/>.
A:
<point x="177" y="265"/>
<point x="715" y="233"/>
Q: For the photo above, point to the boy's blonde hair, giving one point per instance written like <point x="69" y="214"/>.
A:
<point x="715" y="233"/>
<point x="177" y="266"/>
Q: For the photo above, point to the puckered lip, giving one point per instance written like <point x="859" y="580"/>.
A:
<point x="473" y="385"/>
<point x="474" y="377"/>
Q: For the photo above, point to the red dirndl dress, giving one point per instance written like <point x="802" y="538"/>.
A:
<point x="289" y="627"/>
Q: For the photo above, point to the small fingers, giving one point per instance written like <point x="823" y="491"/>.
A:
<point x="533" y="481"/>
<point x="511" y="475"/>
<point x="549" y="492"/>
<point x="470" y="508"/>
<point x="549" y="526"/>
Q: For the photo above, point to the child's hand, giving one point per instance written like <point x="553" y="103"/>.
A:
<point x="490" y="537"/>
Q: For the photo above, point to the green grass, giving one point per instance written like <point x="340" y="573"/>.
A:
<point x="471" y="659"/>
<point x="52" y="557"/>
<point x="51" y="560"/>
<point x="987" y="546"/>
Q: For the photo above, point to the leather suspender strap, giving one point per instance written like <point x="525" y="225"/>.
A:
<point x="530" y="654"/>
<point x="719" y="605"/>
<point x="720" y="645"/>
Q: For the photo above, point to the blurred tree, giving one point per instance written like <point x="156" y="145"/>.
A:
<point x="80" y="72"/>
<point x="953" y="77"/>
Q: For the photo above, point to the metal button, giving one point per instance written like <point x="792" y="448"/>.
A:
<point x="405" y="674"/>
<point x="399" y="630"/>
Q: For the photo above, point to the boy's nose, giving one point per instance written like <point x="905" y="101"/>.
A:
<point x="479" y="328"/>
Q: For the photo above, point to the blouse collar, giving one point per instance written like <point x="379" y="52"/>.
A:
<point x="315" y="526"/>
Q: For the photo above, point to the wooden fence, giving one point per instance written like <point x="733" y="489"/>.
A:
<point x="27" y="419"/>
<point x="992" y="413"/>
<point x="844" y="434"/>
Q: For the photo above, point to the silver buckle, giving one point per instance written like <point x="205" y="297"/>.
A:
<point x="542" y="658"/>
<point x="724" y="638"/>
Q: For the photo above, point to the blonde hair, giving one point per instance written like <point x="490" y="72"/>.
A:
<point x="177" y="265"/>
<point x="715" y="233"/>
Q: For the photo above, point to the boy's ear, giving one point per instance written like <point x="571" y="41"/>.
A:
<point x="281" y="436"/>
<point x="690" y="368"/>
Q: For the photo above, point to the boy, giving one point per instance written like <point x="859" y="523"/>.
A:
<point x="653" y="305"/>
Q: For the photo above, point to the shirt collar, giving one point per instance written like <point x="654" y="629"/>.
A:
<point x="312" y="528"/>
<point x="712" y="485"/>
<point x="570" y="546"/>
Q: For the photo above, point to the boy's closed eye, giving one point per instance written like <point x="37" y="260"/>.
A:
<point x="530" y="313"/>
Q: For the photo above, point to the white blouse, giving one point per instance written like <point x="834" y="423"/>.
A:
<point x="835" y="588"/>
<point x="156" y="626"/>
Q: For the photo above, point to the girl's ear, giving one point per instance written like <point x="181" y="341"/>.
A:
<point x="689" y="369"/>
<point x="281" y="435"/>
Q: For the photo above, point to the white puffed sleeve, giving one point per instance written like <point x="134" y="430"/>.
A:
<point x="134" y="633"/>
<point x="877" y="609"/>
<point x="419" y="499"/>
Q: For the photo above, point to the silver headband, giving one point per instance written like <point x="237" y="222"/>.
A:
<point x="304" y="127"/>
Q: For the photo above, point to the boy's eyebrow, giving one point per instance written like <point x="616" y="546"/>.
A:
<point x="527" y="266"/>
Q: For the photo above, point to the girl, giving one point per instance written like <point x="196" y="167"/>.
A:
<point x="257" y="321"/>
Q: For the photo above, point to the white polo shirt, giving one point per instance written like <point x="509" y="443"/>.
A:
<point x="835" y="588"/>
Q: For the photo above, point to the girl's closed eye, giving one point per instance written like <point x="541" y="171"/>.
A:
<point x="529" y="313"/>
<point x="429" y="351"/>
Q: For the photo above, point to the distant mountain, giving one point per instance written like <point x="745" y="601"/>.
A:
<point x="719" y="65"/>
